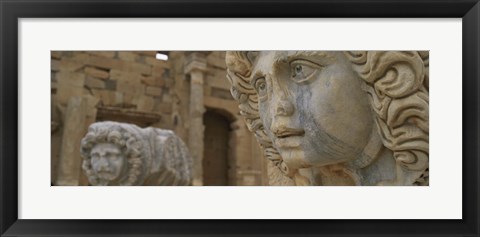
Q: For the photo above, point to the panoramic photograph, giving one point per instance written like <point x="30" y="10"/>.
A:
<point x="239" y="118"/>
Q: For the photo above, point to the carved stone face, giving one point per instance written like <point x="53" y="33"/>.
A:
<point x="312" y="106"/>
<point x="108" y="161"/>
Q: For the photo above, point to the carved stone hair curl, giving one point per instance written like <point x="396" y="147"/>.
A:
<point x="397" y="85"/>
<point x="239" y="69"/>
<point x="114" y="133"/>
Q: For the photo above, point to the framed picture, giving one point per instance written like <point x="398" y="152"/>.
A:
<point x="45" y="41"/>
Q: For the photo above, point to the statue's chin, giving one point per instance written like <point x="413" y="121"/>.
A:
<point x="307" y="156"/>
<point x="294" y="158"/>
<point x="108" y="181"/>
<point x="298" y="159"/>
<point x="107" y="176"/>
<point x="102" y="182"/>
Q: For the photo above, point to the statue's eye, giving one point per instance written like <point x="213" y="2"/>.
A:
<point x="303" y="70"/>
<point x="261" y="87"/>
<point x="114" y="157"/>
<point x="94" y="158"/>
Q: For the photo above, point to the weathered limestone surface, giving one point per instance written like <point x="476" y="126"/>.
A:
<point x="195" y="65"/>
<point x="134" y="87"/>
<point x="68" y="172"/>
<point x="125" y="154"/>
<point x="337" y="118"/>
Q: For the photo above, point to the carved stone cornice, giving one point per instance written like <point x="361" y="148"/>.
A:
<point x="195" y="61"/>
<point x="140" y="118"/>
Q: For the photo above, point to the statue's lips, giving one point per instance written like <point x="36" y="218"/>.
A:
<point x="289" y="138"/>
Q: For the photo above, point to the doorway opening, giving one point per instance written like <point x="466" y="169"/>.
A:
<point x="216" y="149"/>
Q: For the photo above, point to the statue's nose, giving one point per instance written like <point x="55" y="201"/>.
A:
<point x="283" y="107"/>
<point x="282" y="104"/>
<point x="102" y="162"/>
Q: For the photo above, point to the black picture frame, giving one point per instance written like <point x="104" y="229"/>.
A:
<point x="11" y="11"/>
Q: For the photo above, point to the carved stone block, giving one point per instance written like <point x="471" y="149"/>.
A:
<point x="124" y="154"/>
<point x="337" y="118"/>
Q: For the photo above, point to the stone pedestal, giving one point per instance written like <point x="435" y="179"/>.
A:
<point x="195" y="66"/>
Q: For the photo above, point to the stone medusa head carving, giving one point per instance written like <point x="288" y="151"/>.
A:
<point x="336" y="118"/>
<point x="124" y="154"/>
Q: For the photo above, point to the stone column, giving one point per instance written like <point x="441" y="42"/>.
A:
<point x="195" y="66"/>
<point x="80" y="113"/>
<point x="90" y="117"/>
<point x="70" y="159"/>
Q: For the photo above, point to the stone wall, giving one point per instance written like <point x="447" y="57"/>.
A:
<point x="135" y="87"/>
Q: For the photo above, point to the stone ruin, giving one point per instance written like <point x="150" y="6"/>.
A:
<point x="124" y="154"/>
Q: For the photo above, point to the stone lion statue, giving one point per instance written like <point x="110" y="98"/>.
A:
<point x="336" y="118"/>
<point x="124" y="154"/>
